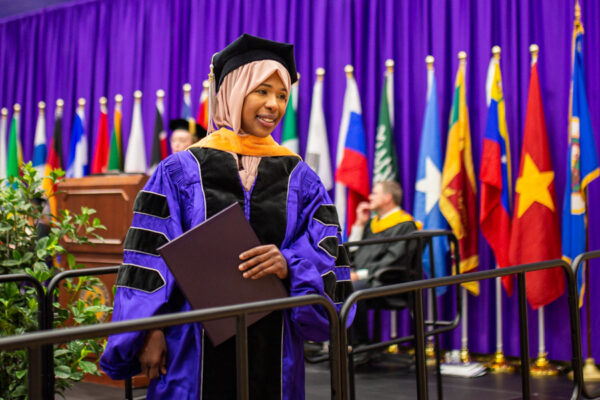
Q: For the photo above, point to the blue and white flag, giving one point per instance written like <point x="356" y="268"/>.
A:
<point x="582" y="162"/>
<point x="429" y="183"/>
<point x="40" y="151"/>
<point x="77" y="166"/>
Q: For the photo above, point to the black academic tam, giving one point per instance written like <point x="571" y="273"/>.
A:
<point x="247" y="49"/>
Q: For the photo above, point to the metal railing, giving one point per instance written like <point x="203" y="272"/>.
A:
<point x="35" y="365"/>
<point x="417" y="288"/>
<point x="577" y="264"/>
<point x="423" y="238"/>
<point x="35" y="341"/>
<point x="47" y="351"/>
<point x="338" y="337"/>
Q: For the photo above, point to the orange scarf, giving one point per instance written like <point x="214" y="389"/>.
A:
<point x="246" y="145"/>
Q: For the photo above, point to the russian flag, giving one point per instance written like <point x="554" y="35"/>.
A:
<point x="352" y="172"/>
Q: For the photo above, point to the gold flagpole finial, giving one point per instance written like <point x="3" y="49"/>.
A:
<point x="17" y="108"/>
<point x="429" y="60"/>
<point x="462" y="55"/>
<point x="187" y="87"/>
<point x="349" y="70"/>
<point x="81" y="102"/>
<point x="41" y="106"/>
<point x="4" y="112"/>
<point x="320" y="73"/>
<point x="137" y="95"/>
<point x="389" y="65"/>
<point x="103" y="100"/>
<point x="119" y="98"/>
<point x="534" y="50"/>
<point x="298" y="78"/>
<point x="496" y="52"/>
<point x="160" y="94"/>
<point x="577" y="11"/>
<point x="205" y="83"/>
<point x="60" y="103"/>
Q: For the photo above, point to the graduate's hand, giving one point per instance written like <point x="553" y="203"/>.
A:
<point x="263" y="260"/>
<point x="153" y="355"/>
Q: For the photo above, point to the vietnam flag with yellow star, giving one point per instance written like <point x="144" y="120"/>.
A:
<point x="458" y="200"/>
<point x="535" y="234"/>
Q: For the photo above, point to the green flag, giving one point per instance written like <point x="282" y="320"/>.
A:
<point x="115" y="158"/>
<point x="289" y="136"/>
<point x="14" y="157"/>
<point x="385" y="164"/>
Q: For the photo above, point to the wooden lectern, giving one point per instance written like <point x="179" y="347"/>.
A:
<point x="112" y="196"/>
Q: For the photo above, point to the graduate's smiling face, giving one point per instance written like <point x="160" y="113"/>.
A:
<point x="264" y="107"/>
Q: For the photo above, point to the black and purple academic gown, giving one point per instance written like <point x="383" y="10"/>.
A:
<point x="287" y="206"/>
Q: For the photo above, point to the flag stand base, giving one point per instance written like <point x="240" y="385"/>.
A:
<point x="393" y="349"/>
<point x="591" y="373"/>
<point x="542" y="367"/>
<point x="430" y="354"/>
<point x="465" y="358"/>
<point x="499" y="365"/>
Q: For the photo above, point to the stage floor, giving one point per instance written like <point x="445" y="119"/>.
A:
<point x="389" y="379"/>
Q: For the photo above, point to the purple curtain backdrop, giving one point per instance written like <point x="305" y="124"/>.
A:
<point x="100" y="48"/>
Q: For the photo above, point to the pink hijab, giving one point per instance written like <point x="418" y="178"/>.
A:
<point x="237" y="85"/>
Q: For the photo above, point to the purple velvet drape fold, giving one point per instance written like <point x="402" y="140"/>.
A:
<point x="100" y="48"/>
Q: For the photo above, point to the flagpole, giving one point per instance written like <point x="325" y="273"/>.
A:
<point x="464" y="349"/>
<point x="591" y="373"/>
<point x="430" y="348"/>
<point x="542" y="366"/>
<point x="389" y="66"/>
<point x="465" y="358"/>
<point x="499" y="364"/>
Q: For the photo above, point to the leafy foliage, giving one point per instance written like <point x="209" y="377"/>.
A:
<point x="24" y="249"/>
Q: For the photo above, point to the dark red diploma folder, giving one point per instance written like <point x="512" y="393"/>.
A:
<point x="204" y="262"/>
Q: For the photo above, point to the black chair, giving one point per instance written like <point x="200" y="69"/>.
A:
<point x="408" y="268"/>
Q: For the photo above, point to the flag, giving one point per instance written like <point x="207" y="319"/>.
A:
<point x="135" y="159"/>
<point x="428" y="184"/>
<point x="582" y="161"/>
<point x="77" y="167"/>
<point x="100" y="160"/>
<point x="159" y="141"/>
<point x="535" y="235"/>
<point x="352" y="172"/>
<point x="39" y="143"/>
<point x="115" y="158"/>
<point x="289" y="135"/>
<point x="3" y="153"/>
<point x="385" y="166"/>
<point x="458" y="201"/>
<point x="186" y="109"/>
<point x="15" y="155"/>
<point x="55" y="157"/>
<point x="317" y="147"/>
<point x="495" y="174"/>
<point x="202" y="117"/>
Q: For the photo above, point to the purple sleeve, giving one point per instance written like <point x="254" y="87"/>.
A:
<point x="316" y="261"/>
<point x="144" y="283"/>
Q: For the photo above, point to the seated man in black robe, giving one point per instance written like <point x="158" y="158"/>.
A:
<point x="388" y="220"/>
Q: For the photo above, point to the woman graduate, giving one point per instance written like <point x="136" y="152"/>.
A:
<point x="288" y="208"/>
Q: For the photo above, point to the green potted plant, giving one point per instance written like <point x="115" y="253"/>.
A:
<point x="31" y="242"/>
